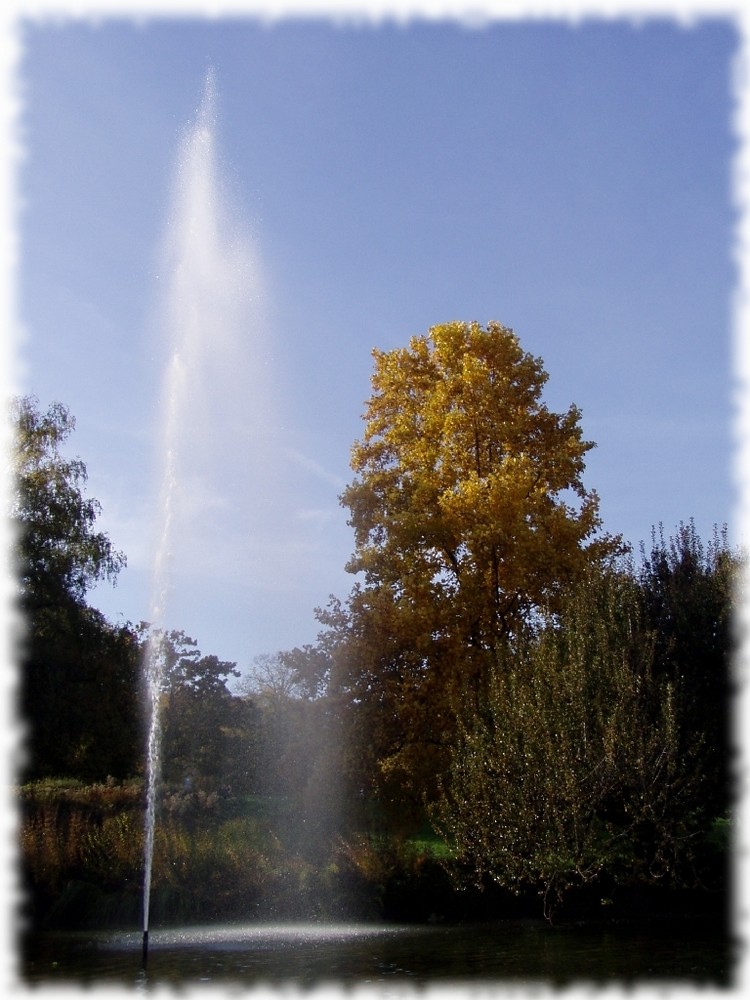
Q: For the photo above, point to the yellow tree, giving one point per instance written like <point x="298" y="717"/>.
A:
<point x="469" y="513"/>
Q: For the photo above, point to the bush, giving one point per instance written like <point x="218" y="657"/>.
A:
<point x="573" y="769"/>
<point x="82" y="850"/>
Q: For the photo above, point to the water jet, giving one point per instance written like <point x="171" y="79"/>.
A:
<point x="211" y="279"/>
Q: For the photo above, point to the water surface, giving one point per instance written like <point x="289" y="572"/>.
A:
<point x="522" y="953"/>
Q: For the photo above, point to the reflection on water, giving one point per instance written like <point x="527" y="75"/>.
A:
<point x="307" y="955"/>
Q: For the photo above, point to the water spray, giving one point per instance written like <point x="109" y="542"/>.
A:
<point x="212" y="285"/>
<point x="190" y="255"/>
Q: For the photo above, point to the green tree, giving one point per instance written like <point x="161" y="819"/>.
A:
<point x="78" y="673"/>
<point x="688" y="591"/>
<point x="197" y="709"/>
<point x="60" y="554"/>
<point x="575" y="770"/>
<point x="470" y="514"/>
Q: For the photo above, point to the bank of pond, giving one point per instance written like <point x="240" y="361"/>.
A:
<point x="217" y="857"/>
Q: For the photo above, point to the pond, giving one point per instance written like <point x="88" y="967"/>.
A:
<point x="516" y="953"/>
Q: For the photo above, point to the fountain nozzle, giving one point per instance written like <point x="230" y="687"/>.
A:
<point x="145" y="948"/>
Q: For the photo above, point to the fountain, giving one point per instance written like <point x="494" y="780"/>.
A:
<point x="211" y="278"/>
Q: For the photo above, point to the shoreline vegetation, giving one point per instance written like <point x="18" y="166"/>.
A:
<point x="219" y="858"/>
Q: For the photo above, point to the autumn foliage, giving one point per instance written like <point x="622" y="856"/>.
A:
<point x="470" y="515"/>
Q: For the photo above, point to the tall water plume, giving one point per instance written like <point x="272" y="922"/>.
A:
<point x="209" y="304"/>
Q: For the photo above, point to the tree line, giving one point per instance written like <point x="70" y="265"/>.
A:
<point x="554" y="704"/>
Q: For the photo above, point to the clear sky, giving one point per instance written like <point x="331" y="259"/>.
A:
<point x="573" y="183"/>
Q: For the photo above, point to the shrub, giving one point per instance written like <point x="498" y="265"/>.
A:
<point x="573" y="767"/>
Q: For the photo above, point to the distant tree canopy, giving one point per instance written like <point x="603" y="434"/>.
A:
<point x="469" y="514"/>
<point x="198" y="716"/>
<point x="78" y="678"/>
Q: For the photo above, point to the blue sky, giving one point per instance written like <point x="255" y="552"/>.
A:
<point x="573" y="183"/>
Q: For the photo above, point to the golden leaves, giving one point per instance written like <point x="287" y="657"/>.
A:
<point x="468" y="509"/>
<point x="460" y="455"/>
